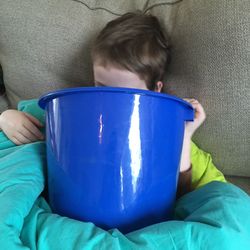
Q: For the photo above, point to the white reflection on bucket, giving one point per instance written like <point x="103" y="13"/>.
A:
<point x="100" y="129"/>
<point x="55" y="123"/>
<point x="122" y="185"/>
<point x="135" y="143"/>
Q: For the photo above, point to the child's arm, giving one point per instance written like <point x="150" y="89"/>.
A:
<point x="190" y="128"/>
<point x="20" y="127"/>
<point x="185" y="177"/>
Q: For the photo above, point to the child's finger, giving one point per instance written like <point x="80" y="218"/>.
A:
<point x="21" y="138"/>
<point x="199" y="111"/>
<point x="25" y="132"/>
<point x="33" y="129"/>
<point x="190" y="100"/>
<point x="198" y="107"/>
<point x="16" y="141"/>
<point x="195" y="104"/>
<point x="34" y="120"/>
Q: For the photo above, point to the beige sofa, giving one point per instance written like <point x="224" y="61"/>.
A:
<point x="45" y="45"/>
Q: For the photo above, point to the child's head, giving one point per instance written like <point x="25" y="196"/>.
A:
<point x="131" y="51"/>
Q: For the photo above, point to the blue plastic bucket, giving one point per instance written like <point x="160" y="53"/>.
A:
<point x="113" y="154"/>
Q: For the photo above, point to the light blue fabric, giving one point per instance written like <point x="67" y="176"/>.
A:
<point x="215" y="216"/>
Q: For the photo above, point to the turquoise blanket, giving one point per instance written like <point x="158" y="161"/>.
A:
<point x="215" y="216"/>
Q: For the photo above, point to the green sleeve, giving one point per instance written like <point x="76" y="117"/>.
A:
<point x="203" y="169"/>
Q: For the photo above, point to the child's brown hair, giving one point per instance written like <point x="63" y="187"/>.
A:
<point x="135" y="42"/>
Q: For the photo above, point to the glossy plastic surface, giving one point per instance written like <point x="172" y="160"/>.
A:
<point x="113" y="154"/>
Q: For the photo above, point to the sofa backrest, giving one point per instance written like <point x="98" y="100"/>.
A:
<point x="45" y="45"/>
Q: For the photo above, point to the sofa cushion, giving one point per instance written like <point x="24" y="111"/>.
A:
<point x="210" y="62"/>
<point x="45" y="45"/>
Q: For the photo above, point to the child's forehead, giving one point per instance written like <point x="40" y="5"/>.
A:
<point x="102" y="62"/>
<point x="117" y="77"/>
<point x="112" y="71"/>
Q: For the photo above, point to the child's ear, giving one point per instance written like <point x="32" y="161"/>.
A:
<point x="158" y="86"/>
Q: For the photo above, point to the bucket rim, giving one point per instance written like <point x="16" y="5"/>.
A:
<point x="47" y="97"/>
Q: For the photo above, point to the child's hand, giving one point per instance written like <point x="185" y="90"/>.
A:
<point x="199" y="118"/>
<point x="20" y="127"/>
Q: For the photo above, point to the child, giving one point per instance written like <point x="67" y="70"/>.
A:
<point x="131" y="51"/>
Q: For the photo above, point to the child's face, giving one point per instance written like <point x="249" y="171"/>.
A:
<point x="110" y="76"/>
